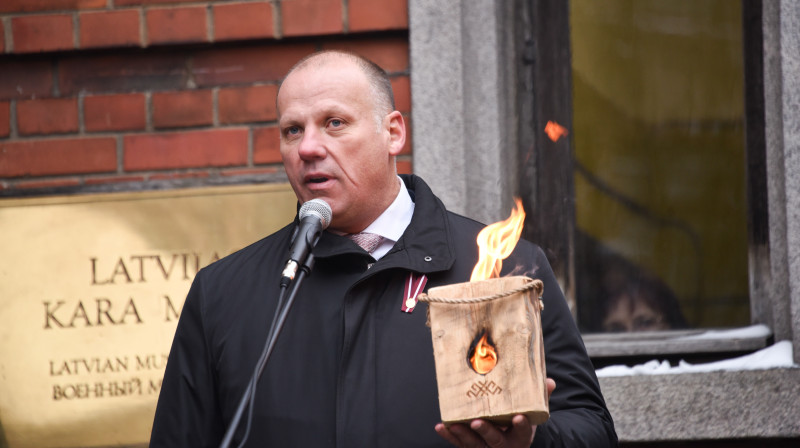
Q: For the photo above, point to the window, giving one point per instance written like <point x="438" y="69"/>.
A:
<point x="648" y="226"/>
<point x="659" y="144"/>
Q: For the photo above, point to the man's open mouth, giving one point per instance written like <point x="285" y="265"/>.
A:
<point x="317" y="180"/>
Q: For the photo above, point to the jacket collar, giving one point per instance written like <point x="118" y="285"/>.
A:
<point x="426" y="246"/>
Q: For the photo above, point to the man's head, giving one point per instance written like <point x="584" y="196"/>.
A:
<point x="340" y="136"/>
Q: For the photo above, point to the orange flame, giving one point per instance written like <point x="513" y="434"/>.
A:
<point x="496" y="242"/>
<point x="484" y="358"/>
<point x="555" y="131"/>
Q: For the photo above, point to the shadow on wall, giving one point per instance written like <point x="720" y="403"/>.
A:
<point x="615" y="295"/>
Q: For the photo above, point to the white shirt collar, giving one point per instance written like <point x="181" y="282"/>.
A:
<point x="393" y="221"/>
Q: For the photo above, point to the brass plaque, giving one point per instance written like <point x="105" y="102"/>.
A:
<point x="91" y="288"/>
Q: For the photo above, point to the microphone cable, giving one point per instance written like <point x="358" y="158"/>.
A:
<point x="249" y="393"/>
<point x="262" y="362"/>
<point x="278" y="319"/>
<point x="315" y="216"/>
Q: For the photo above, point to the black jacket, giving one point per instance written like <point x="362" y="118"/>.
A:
<point x="350" y="369"/>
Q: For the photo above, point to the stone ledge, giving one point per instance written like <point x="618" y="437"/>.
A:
<point x="697" y="406"/>
<point x="672" y="342"/>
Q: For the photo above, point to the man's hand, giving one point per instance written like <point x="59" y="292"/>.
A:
<point x="482" y="434"/>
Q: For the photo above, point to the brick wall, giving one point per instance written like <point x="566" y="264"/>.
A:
<point x="99" y="95"/>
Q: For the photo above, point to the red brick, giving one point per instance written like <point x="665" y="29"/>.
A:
<point x="49" y="5"/>
<point x="404" y="167"/>
<point x="5" y="118"/>
<point x="266" y="145"/>
<point x="249" y="171"/>
<point x="247" y="104"/>
<point x="58" y="156"/>
<point x="110" y="29"/>
<point x="171" y="176"/>
<point x="372" y="15"/>
<point x="113" y="180"/>
<point x="123" y="112"/>
<point x="47" y="116"/>
<point x="121" y="73"/>
<point x="390" y="53"/>
<point x="50" y="183"/>
<point x="311" y="17"/>
<point x="42" y="33"/>
<point x="2" y="38"/>
<point x="176" y="25"/>
<point x="401" y="86"/>
<point x="197" y="149"/>
<point x="242" y="21"/>
<point x="246" y="64"/>
<point x="181" y="109"/>
<point x="26" y="79"/>
<point x="119" y="3"/>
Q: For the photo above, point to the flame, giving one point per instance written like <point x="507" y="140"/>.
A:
<point x="496" y="242"/>
<point x="484" y="357"/>
<point x="555" y="131"/>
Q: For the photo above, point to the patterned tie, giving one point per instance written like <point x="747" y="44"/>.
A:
<point x="368" y="241"/>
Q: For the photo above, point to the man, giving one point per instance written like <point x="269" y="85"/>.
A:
<point x="351" y="369"/>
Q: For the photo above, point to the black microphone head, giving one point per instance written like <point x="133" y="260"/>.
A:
<point x="318" y="208"/>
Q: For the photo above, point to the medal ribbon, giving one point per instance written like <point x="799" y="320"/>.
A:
<point x="415" y="283"/>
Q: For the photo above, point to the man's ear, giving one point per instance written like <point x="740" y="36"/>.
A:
<point x="396" y="126"/>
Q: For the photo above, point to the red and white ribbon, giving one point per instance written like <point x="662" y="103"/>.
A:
<point x="415" y="284"/>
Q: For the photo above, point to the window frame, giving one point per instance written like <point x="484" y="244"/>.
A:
<point x="746" y="406"/>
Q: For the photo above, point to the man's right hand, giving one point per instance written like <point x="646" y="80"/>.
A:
<point x="482" y="434"/>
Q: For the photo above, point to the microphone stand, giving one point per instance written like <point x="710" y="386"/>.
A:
<point x="278" y="319"/>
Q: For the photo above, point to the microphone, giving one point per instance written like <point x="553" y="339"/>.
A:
<point x="315" y="216"/>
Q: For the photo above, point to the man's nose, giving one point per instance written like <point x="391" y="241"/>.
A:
<point x="312" y="145"/>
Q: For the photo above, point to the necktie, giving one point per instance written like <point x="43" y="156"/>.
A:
<point x="368" y="241"/>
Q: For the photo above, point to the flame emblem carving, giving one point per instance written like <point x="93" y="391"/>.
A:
<point x="482" y="355"/>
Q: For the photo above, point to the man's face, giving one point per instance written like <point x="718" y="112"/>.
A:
<point x="332" y="146"/>
<point x="632" y="313"/>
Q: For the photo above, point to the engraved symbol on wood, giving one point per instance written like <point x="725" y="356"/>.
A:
<point x="479" y="389"/>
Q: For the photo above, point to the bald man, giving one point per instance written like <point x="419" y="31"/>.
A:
<point x="354" y="364"/>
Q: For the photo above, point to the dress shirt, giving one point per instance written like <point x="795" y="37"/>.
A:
<point x="392" y="222"/>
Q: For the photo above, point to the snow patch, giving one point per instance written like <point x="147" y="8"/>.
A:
<point x="775" y="356"/>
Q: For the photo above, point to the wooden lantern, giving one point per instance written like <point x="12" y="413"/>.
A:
<point x="467" y="321"/>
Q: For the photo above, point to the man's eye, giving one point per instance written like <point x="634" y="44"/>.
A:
<point x="293" y="130"/>
<point x="336" y="123"/>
